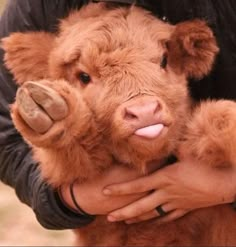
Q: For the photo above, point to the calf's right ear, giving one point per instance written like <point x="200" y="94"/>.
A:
<point x="192" y="49"/>
<point x="26" y="55"/>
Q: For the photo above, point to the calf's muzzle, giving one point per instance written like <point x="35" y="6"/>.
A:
<point x="143" y="115"/>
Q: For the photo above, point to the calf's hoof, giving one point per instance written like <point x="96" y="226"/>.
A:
<point x="40" y="106"/>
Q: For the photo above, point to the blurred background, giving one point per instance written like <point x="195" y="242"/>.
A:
<point x="2" y="3"/>
<point x="18" y="225"/>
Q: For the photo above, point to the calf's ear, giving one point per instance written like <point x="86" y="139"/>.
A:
<point x="192" y="49"/>
<point x="26" y="55"/>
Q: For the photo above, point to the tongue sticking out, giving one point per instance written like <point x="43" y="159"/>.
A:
<point x="151" y="131"/>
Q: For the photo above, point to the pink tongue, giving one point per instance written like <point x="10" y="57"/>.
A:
<point x="151" y="131"/>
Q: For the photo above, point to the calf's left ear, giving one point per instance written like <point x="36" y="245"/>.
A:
<point x="26" y="55"/>
<point x="192" y="49"/>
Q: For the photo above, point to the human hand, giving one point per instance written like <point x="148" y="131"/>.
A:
<point x="90" y="197"/>
<point x="178" y="189"/>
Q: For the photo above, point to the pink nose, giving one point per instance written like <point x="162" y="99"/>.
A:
<point x="142" y="113"/>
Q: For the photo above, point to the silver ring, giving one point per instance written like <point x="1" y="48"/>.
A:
<point x="160" y="211"/>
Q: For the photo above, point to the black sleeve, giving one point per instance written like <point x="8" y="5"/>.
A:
<point x="17" y="168"/>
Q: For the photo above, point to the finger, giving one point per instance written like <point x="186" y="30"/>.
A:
<point x="152" y="214"/>
<point x="173" y="215"/>
<point x="31" y="113"/>
<point x="139" y="207"/>
<point x="48" y="99"/>
<point x="147" y="216"/>
<point x="139" y="185"/>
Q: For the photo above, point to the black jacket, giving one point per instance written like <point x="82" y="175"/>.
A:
<point x="17" y="168"/>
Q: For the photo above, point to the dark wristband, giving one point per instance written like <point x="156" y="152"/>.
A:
<point x="78" y="210"/>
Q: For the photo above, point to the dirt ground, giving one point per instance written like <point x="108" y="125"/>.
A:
<point x="2" y="3"/>
<point x="19" y="227"/>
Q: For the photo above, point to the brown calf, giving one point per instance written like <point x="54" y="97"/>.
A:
<point x="111" y="87"/>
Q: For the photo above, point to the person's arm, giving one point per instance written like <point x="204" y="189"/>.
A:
<point x="17" y="168"/>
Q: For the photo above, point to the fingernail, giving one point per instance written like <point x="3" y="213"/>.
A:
<point x="106" y="192"/>
<point x="111" y="218"/>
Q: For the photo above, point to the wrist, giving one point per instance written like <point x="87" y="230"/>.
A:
<point x="68" y="198"/>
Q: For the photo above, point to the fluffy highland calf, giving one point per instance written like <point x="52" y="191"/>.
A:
<point x="110" y="88"/>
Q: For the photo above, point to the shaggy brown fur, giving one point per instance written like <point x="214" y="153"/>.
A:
<point x="123" y="50"/>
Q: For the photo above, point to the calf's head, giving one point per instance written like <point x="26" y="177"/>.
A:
<point x="131" y="69"/>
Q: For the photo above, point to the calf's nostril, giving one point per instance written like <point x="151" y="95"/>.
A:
<point x="144" y="110"/>
<point x="129" y="115"/>
<point x="155" y="108"/>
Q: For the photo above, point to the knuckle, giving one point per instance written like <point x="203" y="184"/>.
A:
<point x="139" y="210"/>
<point x="137" y="187"/>
<point x="116" y="190"/>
